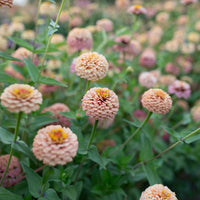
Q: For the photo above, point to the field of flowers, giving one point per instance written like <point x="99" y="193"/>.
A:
<point x="100" y="99"/>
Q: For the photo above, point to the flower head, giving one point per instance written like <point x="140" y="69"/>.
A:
<point x="158" y="192"/>
<point x="137" y="10"/>
<point x="100" y="103"/>
<point x="55" y="145"/>
<point x="105" y="24"/>
<point x="79" y="38"/>
<point x="156" y="101"/>
<point x="180" y="89"/>
<point x="6" y="3"/>
<point x="14" y="174"/>
<point x="187" y="2"/>
<point x="91" y="66"/>
<point x="21" y="98"/>
<point x="147" y="79"/>
<point x="148" y="58"/>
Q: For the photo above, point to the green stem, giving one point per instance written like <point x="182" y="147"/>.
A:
<point x="168" y="149"/>
<point x="36" y="26"/>
<point x="11" y="150"/>
<point x="49" y="40"/>
<point x="87" y="86"/>
<point x="136" y="131"/>
<point x="92" y="134"/>
<point x="68" y="9"/>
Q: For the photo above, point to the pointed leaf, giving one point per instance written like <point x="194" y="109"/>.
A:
<point x="51" y="81"/>
<point x="6" y="194"/>
<point x="22" y="43"/>
<point x="172" y="132"/>
<point x="5" y="78"/>
<point x="7" y="57"/>
<point x="51" y="194"/>
<point x="5" y="136"/>
<point x="32" y="70"/>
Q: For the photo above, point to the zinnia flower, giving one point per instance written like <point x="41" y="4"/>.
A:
<point x="187" y="2"/>
<point x="56" y="109"/>
<point x="21" y="98"/>
<point x="147" y="79"/>
<point x="195" y="111"/>
<point x="102" y="124"/>
<point x="22" y="53"/>
<point x="158" y="192"/>
<point x="180" y="89"/>
<point x="6" y="3"/>
<point x="100" y="103"/>
<point x="55" y="145"/>
<point x="79" y="38"/>
<point x="14" y="174"/>
<point x="148" y="58"/>
<point x="137" y="10"/>
<point x="157" y="101"/>
<point x="105" y="24"/>
<point x="91" y="66"/>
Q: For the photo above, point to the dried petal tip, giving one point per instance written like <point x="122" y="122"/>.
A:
<point x="6" y="3"/>
<point x="157" y="101"/>
<point x="158" y="192"/>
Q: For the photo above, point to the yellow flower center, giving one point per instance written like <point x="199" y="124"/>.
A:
<point x="93" y="56"/>
<point x="58" y="135"/>
<point x="161" y="93"/>
<point x="102" y="93"/>
<point x="165" y="194"/>
<point x="137" y="7"/>
<point x="23" y="92"/>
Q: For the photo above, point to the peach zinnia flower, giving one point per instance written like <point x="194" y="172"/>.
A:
<point x="105" y="24"/>
<point x="91" y="66"/>
<point x="6" y="3"/>
<point x="148" y="58"/>
<point x="158" y="192"/>
<point x="79" y="38"/>
<point x="100" y="103"/>
<point x="157" y="101"/>
<point x="14" y="174"/>
<point x="21" y="98"/>
<point x="147" y="79"/>
<point x="137" y="9"/>
<point x="55" y="145"/>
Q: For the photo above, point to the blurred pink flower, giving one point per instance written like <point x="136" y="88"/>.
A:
<point x="137" y="9"/>
<point x="148" y="58"/>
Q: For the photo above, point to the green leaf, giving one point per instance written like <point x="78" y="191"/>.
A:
<point x="22" y="43"/>
<point x="93" y="155"/>
<point x="50" y="81"/>
<point x="151" y="174"/>
<point x="73" y="191"/>
<point x="43" y="49"/>
<point x="172" y="132"/>
<point x="7" y="57"/>
<point x="32" y="70"/>
<point x="41" y="121"/>
<point x="34" y="181"/>
<point x="192" y="139"/>
<point x="135" y="123"/>
<point x="71" y="115"/>
<point x="5" y="78"/>
<point x="21" y="146"/>
<point x="5" y="136"/>
<point x="5" y="194"/>
<point x="51" y="194"/>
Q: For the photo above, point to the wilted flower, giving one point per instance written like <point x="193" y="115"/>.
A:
<point x="6" y="3"/>
<point x="79" y="38"/>
<point x="22" y="53"/>
<point x="91" y="66"/>
<point x="100" y="103"/>
<point x="158" y="192"/>
<point x="56" y="109"/>
<point x="21" y="98"/>
<point x="14" y="174"/>
<point x="148" y="58"/>
<point x="180" y="89"/>
<point x="105" y="24"/>
<point x="147" y="79"/>
<point x="55" y="145"/>
<point x="137" y="9"/>
<point x="157" y="101"/>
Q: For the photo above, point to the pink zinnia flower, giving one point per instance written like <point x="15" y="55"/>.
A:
<point x="187" y="2"/>
<point x="55" y="145"/>
<point x="100" y="103"/>
<point x="171" y="68"/>
<point x="72" y="66"/>
<point x="157" y="101"/>
<point x="147" y="79"/>
<point x="158" y="192"/>
<point x="139" y="115"/>
<point x="79" y="38"/>
<point x="148" y="58"/>
<point x="105" y="24"/>
<point x="103" y="124"/>
<point x="14" y="174"/>
<point x="22" y="53"/>
<point x="137" y="9"/>
<point x="91" y="66"/>
<point x="180" y="89"/>
<point x="21" y="98"/>
<point x="56" y="109"/>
